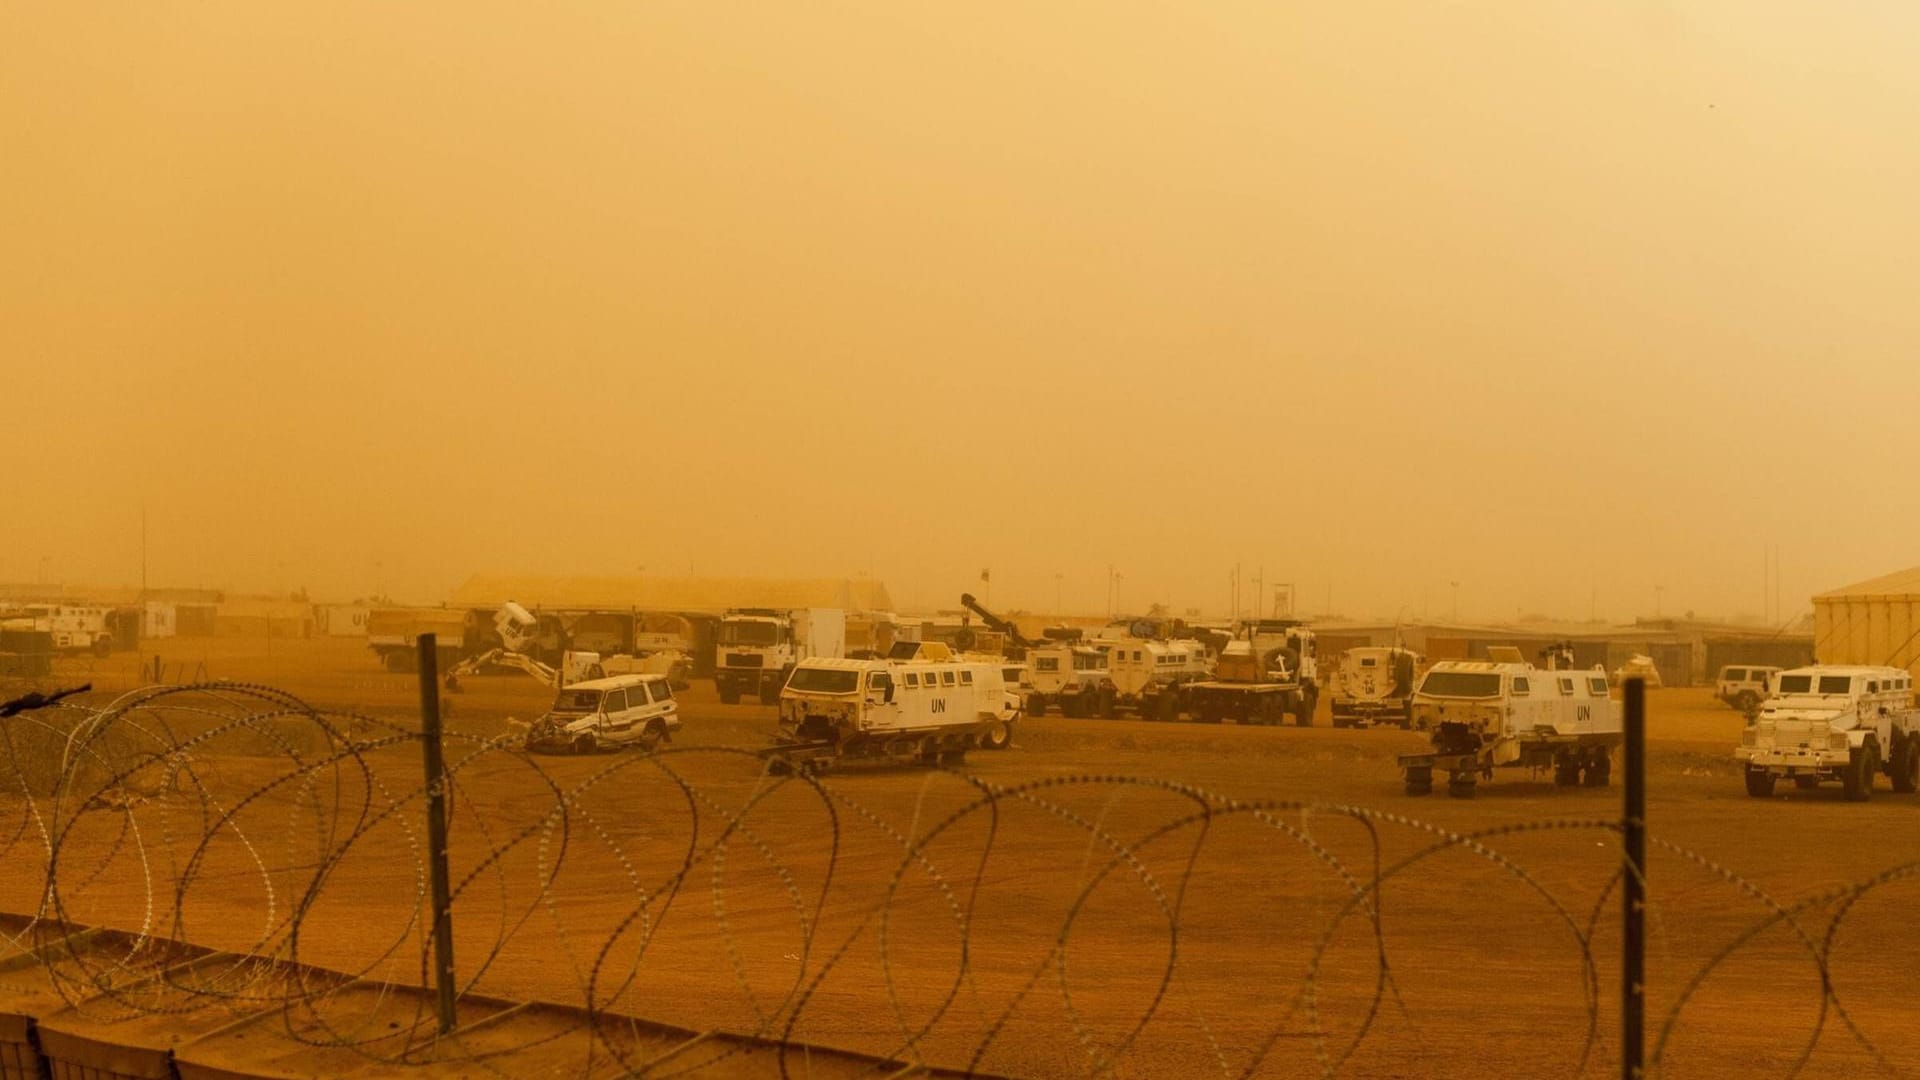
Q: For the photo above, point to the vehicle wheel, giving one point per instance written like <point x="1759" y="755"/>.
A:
<point x="1906" y="770"/>
<point x="1419" y="781"/>
<point x="1104" y="707"/>
<point x="1806" y="781"/>
<point x="1745" y="701"/>
<point x="729" y="695"/>
<point x="1461" y="786"/>
<point x="952" y="759"/>
<point x="652" y="736"/>
<point x="1566" y="772"/>
<point x="583" y="745"/>
<point x="1599" y="772"/>
<point x="1036" y="706"/>
<point x="997" y="737"/>
<point x="1169" y="708"/>
<point x="1858" y="779"/>
<point x="779" y="767"/>
<point x="1759" y="783"/>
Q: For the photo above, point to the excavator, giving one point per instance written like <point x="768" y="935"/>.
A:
<point x="1017" y="643"/>
<point x="517" y="629"/>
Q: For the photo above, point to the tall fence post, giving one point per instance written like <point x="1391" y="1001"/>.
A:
<point x="1633" y="894"/>
<point x="437" y="828"/>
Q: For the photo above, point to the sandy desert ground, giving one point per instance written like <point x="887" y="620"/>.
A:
<point x="1158" y="900"/>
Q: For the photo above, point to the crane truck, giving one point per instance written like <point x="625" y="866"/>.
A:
<point x="1269" y="670"/>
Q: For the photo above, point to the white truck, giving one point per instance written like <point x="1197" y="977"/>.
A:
<point x="757" y="648"/>
<point x="1269" y="670"/>
<point x="1375" y="686"/>
<point x="1833" y="723"/>
<point x="930" y="711"/>
<point x="1504" y="712"/>
<point x="71" y="628"/>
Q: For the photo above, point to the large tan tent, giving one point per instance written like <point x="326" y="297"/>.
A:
<point x="1873" y="622"/>
<point x="691" y="594"/>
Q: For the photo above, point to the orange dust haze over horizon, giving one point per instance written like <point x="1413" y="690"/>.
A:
<point x="1584" y="307"/>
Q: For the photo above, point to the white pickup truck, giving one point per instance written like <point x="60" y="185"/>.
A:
<point x="1831" y="723"/>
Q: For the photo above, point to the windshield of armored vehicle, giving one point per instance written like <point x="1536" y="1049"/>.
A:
<point x="824" y="681"/>
<point x="577" y="701"/>
<point x="749" y="633"/>
<point x="1835" y="684"/>
<point x="1461" y="684"/>
<point x="1796" y="684"/>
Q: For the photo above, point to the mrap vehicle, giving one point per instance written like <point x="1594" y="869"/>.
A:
<point x="1148" y="677"/>
<point x="931" y="711"/>
<point x="1066" y="677"/>
<point x="1833" y="723"/>
<point x="1504" y="712"/>
<point x="1375" y="686"/>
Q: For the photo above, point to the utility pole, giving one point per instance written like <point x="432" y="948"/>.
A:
<point x="1456" y="602"/>
<point x="143" y="556"/>
<point x="1056" y="593"/>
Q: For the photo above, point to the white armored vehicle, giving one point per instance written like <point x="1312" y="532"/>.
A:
<point x="1504" y="712"/>
<point x="1066" y="677"/>
<point x="607" y="714"/>
<point x="1828" y="723"/>
<point x="756" y="648"/>
<point x="1149" y="677"/>
<point x="930" y="711"/>
<point x="1375" y="686"/>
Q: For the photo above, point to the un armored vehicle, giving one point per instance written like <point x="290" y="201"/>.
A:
<point x="1827" y="724"/>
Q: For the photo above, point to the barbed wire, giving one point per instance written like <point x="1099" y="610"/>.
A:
<point x="255" y="855"/>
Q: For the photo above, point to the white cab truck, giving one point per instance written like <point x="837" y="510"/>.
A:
<point x="1066" y="677"/>
<point x="1835" y="724"/>
<point x="1375" y="686"/>
<point x="1269" y="670"/>
<point x="1505" y="713"/>
<point x="72" y="629"/>
<point x="929" y="711"/>
<point x="756" y="648"/>
<point x="616" y="713"/>
<point x="1150" y="677"/>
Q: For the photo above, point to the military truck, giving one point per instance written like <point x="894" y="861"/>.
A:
<point x="930" y="711"/>
<point x="1830" y="723"/>
<point x="757" y="648"/>
<point x="1268" y="671"/>
<point x="1503" y="712"/>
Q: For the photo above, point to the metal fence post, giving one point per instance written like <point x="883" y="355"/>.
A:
<point x="1633" y="894"/>
<point x="437" y="828"/>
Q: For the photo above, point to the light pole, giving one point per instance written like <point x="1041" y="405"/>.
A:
<point x="1056" y="592"/>
<point x="1456" y="601"/>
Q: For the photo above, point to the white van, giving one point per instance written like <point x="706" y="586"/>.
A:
<point x="608" y="714"/>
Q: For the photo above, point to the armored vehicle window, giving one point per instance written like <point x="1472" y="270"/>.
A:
<point x="879" y="680"/>
<point x="1046" y="663"/>
<point x="1835" y="684"/>
<point x="1464" y="684"/>
<point x="1566" y="686"/>
<point x="1873" y="688"/>
<point x="1598" y="685"/>
<point x="946" y="678"/>
<point x="1796" y="684"/>
<point x="1086" y="663"/>
<point x="1521" y="688"/>
<point x="912" y="679"/>
<point x="1368" y="661"/>
<point x="824" y="680"/>
<point x="966" y="678"/>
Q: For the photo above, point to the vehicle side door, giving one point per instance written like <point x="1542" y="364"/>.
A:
<point x="663" y="707"/>
<point x="616" y="719"/>
<point x="881" y="701"/>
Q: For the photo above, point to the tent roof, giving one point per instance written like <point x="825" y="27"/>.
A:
<point x="1902" y="583"/>
<point x="697" y="594"/>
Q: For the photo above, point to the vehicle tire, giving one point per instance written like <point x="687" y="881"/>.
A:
<point x="729" y="695"/>
<point x="997" y="737"/>
<point x="1906" y="767"/>
<point x="583" y="745"/>
<point x="1566" y="772"/>
<point x="1598" y="773"/>
<point x="1169" y="708"/>
<point x="1745" y="701"/>
<point x="952" y="759"/>
<point x="1806" y="781"/>
<point x="1104" y="706"/>
<point x="1759" y="783"/>
<point x="1036" y="705"/>
<point x="1461" y="787"/>
<point x="1419" y="781"/>
<point x="653" y="735"/>
<point x="1857" y="781"/>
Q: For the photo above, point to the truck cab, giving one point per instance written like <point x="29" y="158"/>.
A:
<point x="756" y="648"/>
<point x="1832" y="723"/>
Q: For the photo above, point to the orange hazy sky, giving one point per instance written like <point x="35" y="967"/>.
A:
<point x="1564" y="301"/>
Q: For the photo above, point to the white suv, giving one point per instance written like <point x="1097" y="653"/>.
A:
<point x="1744" y="686"/>
<point x="608" y="714"/>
